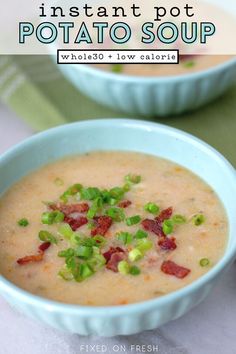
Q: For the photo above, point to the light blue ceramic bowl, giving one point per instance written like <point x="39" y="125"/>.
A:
<point x="151" y="96"/>
<point x="129" y="135"/>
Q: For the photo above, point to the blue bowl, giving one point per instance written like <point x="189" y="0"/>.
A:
<point x="129" y="135"/>
<point x="152" y="96"/>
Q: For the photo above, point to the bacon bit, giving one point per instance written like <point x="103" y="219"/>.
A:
<point x="171" y="268"/>
<point x="124" y="203"/>
<point x="111" y="251"/>
<point x="103" y="223"/>
<point x="112" y="264"/>
<point x="153" y="226"/>
<point x="35" y="257"/>
<point x="44" y="246"/>
<point x="71" y="208"/>
<point x="32" y="258"/>
<point x="164" y="215"/>
<point x="75" y="223"/>
<point x="167" y="243"/>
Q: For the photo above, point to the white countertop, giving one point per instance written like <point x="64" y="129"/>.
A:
<point x="210" y="328"/>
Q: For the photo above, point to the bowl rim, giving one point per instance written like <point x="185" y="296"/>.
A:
<point x="88" y="68"/>
<point x="114" y="311"/>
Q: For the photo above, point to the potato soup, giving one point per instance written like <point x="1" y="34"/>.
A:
<point x="110" y="228"/>
<point x="188" y="64"/>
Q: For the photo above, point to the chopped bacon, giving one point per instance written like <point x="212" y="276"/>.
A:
<point x="153" y="226"/>
<point x="111" y="251"/>
<point x="124" y="203"/>
<point x="164" y="215"/>
<point x="70" y="208"/>
<point x="44" y="246"/>
<point x="171" y="268"/>
<point x="167" y="243"/>
<point x="35" y="257"/>
<point x="32" y="258"/>
<point x="117" y="257"/>
<point x="77" y="222"/>
<point x="102" y="225"/>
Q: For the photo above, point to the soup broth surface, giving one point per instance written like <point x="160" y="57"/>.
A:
<point x="163" y="184"/>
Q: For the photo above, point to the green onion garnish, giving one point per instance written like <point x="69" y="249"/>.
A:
<point x="116" y="193"/>
<point x="71" y="191"/>
<point x="189" y="64"/>
<point x="144" y="245"/>
<point x="125" y="237"/>
<point x="65" y="273"/>
<point x="126" y="187"/>
<point x="100" y="240"/>
<point x="198" y="219"/>
<point x="23" y="222"/>
<point x="85" y="271"/>
<point x="47" y="236"/>
<point x="97" y="262"/>
<point x="204" y="262"/>
<point x="69" y="252"/>
<point x="117" y="68"/>
<point x="140" y="234"/>
<point x="90" y="193"/>
<point x="179" y="219"/>
<point x="52" y="217"/>
<point x="66" y="231"/>
<point x="84" y="251"/>
<point x="168" y="226"/>
<point x="117" y="214"/>
<point x="123" y="267"/>
<point x="134" y="270"/>
<point x="58" y="182"/>
<point x="91" y="212"/>
<point x="133" y="220"/>
<point x="152" y="208"/>
<point x="135" y="255"/>
<point x="133" y="179"/>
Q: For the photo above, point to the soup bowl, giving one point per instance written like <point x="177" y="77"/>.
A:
<point x="123" y="135"/>
<point x="152" y="96"/>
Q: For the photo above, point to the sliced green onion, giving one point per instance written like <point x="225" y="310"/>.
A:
<point x="123" y="267"/>
<point x="90" y="193"/>
<point x="66" y="231"/>
<point x="133" y="220"/>
<point x="116" y="193"/>
<point x="97" y="261"/>
<point x="52" y="217"/>
<point x="69" y="252"/>
<point x="152" y="208"/>
<point x="140" y="234"/>
<point x="58" y="182"/>
<point x="65" y="273"/>
<point x="84" y="251"/>
<point x="112" y="201"/>
<point x="179" y="219"/>
<point x="91" y="212"/>
<point x="134" y="179"/>
<point x="70" y="192"/>
<point x="144" y="245"/>
<point x="135" y="255"/>
<point x="47" y="236"/>
<point x="100" y="240"/>
<point x="204" y="262"/>
<point x="168" y="226"/>
<point x="117" y="214"/>
<point x="125" y="237"/>
<point x="134" y="270"/>
<point x="126" y="187"/>
<point x="189" y="64"/>
<point x="23" y="222"/>
<point x="85" y="271"/>
<point x="117" y="68"/>
<point x="198" y="219"/>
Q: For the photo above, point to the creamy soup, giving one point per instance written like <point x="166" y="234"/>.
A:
<point x="110" y="228"/>
<point x="188" y="64"/>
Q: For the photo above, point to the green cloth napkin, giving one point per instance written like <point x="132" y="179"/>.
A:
<point x="35" y="89"/>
